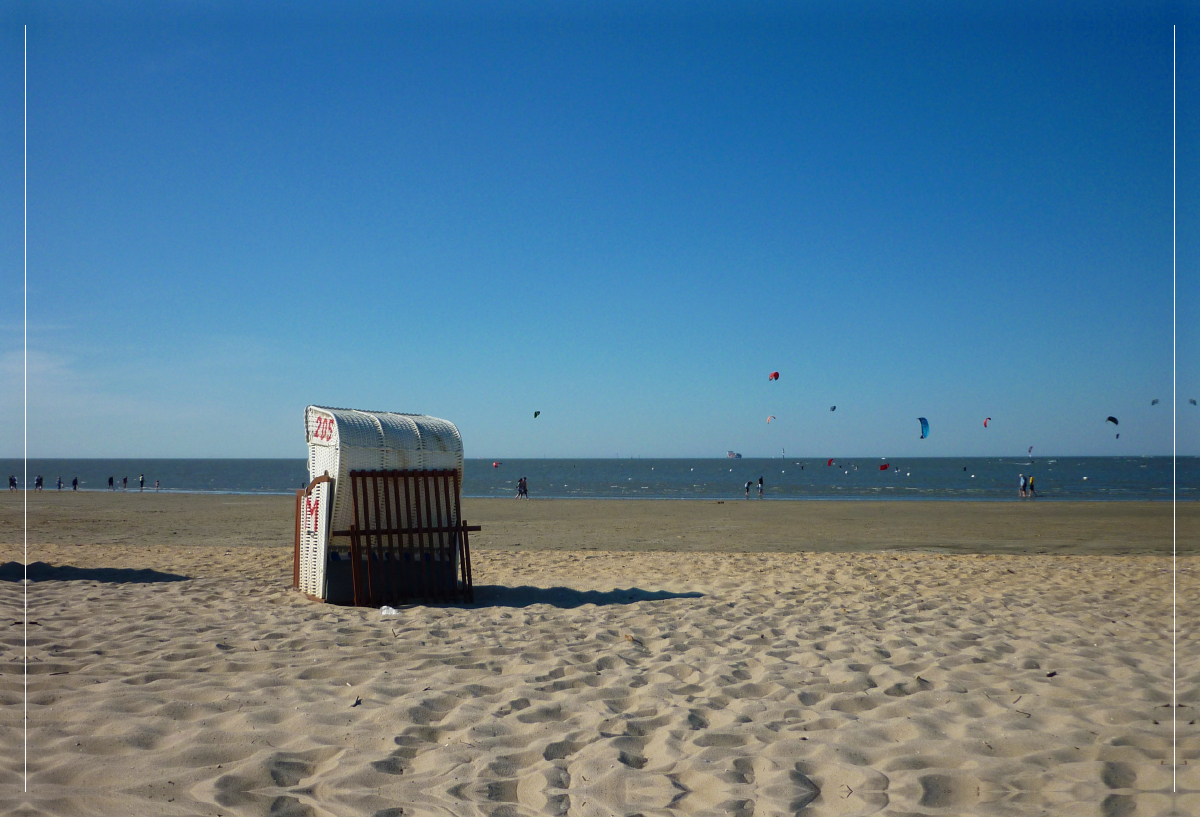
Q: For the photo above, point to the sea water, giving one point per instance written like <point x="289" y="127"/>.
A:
<point x="852" y="478"/>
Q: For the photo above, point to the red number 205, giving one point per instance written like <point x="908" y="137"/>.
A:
<point x="324" y="429"/>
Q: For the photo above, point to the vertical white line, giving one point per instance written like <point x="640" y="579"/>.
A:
<point x="1174" y="612"/>
<point x="25" y="475"/>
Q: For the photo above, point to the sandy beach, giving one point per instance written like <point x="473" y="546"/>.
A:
<point x="639" y="657"/>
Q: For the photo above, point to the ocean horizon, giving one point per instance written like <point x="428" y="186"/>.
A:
<point x="793" y="478"/>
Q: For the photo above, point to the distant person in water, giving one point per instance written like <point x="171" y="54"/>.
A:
<point x="110" y="484"/>
<point x="12" y="482"/>
<point x="1021" y="492"/>
<point x="75" y="483"/>
<point x="60" y="483"/>
<point x="141" y="482"/>
<point x="155" y="486"/>
<point x="1032" y="493"/>
<point x="37" y="482"/>
<point x="124" y="483"/>
<point x="748" y="484"/>
<point x="760" y="487"/>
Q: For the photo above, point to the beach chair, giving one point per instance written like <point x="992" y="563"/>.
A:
<point x="379" y="522"/>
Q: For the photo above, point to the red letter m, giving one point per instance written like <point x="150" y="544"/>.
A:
<point x="312" y="505"/>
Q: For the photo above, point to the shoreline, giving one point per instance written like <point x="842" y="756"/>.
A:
<point x="1100" y="479"/>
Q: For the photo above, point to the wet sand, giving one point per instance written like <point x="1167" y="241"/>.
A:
<point x="660" y="658"/>
<point x="1034" y="526"/>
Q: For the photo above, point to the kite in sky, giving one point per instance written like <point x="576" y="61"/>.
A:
<point x="924" y="427"/>
<point x="833" y="408"/>
<point x="1192" y="401"/>
<point x="535" y="414"/>
<point x="773" y="376"/>
<point x="1154" y="402"/>
<point x="986" y="420"/>
<point x="1112" y="420"/>
<point x="769" y="419"/>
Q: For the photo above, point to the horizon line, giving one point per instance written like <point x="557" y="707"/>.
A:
<point x="714" y="457"/>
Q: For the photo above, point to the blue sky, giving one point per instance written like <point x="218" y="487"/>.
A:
<point x="623" y="220"/>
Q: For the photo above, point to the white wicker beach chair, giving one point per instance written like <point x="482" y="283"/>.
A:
<point x="351" y="549"/>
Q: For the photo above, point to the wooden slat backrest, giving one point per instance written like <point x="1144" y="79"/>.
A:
<point x="408" y="540"/>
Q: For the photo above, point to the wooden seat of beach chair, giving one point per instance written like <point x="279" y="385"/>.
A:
<point x="408" y="541"/>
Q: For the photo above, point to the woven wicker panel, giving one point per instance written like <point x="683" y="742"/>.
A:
<point x="441" y="445"/>
<point x="314" y="528"/>
<point x="357" y="429"/>
<point x="322" y="459"/>
<point x="402" y="441"/>
<point x="350" y="459"/>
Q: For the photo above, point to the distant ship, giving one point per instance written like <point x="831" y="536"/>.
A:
<point x="733" y="455"/>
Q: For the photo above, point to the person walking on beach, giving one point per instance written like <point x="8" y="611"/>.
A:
<point x="525" y="487"/>
<point x="1031" y="491"/>
<point x="59" y="486"/>
<point x="110" y="484"/>
<point x="760" y="487"/>
<point x="141" y="482"/>
<point x="748" y="484"/>
<point x="156" y="486"/>
<point x="1021" y="492"/>
<point x="37" y="482"/>
<point x="75" y="483"/>
<point x="124" y="483"/>
<point x="12" y="482"/>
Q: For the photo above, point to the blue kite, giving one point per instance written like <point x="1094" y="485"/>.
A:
<point x="924" y="427"/>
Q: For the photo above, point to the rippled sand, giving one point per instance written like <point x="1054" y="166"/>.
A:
<point x="169" y="679"/>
